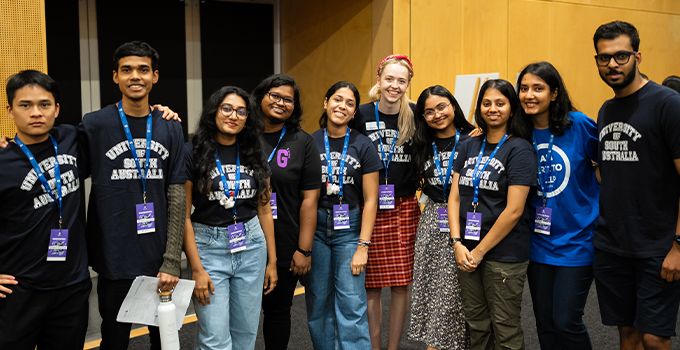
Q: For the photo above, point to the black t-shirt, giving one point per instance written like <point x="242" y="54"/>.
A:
<point x="361" y="159"/>
<point x="28" y="213"/>
<point x="432" y="186"/>
<point x="399" y="169"/>
<point x="208" y="210"/>
<point x="639" y="139"/>
<point x="513" y="165"/>
<point x="116" y="250"/>
<point x="295" y="167"/>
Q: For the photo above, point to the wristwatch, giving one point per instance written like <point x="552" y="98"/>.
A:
<point x="677" y="239"/>
<point x="306" y="253"/>
<point x="453" y="241"/>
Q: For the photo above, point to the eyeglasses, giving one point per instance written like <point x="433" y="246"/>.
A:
<point x="431" y="113"/>
<point x="621" y="57"/>
<point x="228" y="110"/>
<point x="275" y="97"/>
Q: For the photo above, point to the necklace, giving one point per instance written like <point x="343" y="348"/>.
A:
<point x="447" y="146"/>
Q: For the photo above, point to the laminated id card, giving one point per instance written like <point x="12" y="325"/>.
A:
<point x="543" y="220"/>
<point x="58" y="245"/>
<point x="146" y="221"/>
<point x="341" y="216"/>
<point x="272" y="203"/>
<point x="443" y="220"/>
<point x="386" y="199"/>
<point x="237" y="238"/>
<point x="473" y="226"/>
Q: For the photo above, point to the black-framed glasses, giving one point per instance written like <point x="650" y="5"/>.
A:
<point x="439" y="109"/>
<point x="621" y="57"/>
<point x="275" y="97"/>
<point x="228" y="110"/>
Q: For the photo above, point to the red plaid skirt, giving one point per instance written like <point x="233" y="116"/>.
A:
<point x="390" y="257"/>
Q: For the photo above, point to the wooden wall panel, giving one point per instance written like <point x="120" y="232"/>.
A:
<point x="485" y="37"/>
<point x="660" y="6"/>
<point x="528" y="33"/>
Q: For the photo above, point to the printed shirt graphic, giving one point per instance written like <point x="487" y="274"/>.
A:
<point x="361" y="159"/>
<point x="28" y="213"/>
<point x="208" y="210"/>
<point x="400" y="171"/>
<point x="514" y="164"/>
<point x="116" y="250"/>
<point x="433" y="186"/>
<point x="573" y="195"/>
<point x="295" y="167"/>
<point x="639" y="139"/>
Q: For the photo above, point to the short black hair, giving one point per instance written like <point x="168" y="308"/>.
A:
<point x="672" y="82"/>
<point x="613" y="30"/>
<point x="31" y="77"/>
<point x="273" y="81"/>
<point x="136" y="48"/>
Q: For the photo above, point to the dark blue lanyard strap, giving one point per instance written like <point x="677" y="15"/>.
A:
<point x="131" y="144"/>
<point x="386" y="160"/>
<point x="445" y="183"/>
<point x="41" y="176"/>
<point x="342" y="159"/>
<point x="479" y="168"/>
<point x="283" y="132"/>
<point x="543" y="183"/>
<point x="237" y="183"/>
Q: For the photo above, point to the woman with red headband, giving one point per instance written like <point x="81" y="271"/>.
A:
<point x="388" y="121"/>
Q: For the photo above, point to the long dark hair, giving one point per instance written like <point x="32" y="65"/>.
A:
<point x="276" y="80"/>
<point x="323" y="121"/>
<point x="518" y="127"/>
<point x="250" y="148"/>
<point x="558" y="111"/>
<point x="421" y="152"/>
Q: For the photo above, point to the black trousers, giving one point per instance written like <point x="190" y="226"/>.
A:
<point x="48" y="319"/>
<point x="276" y="307"/>
<point x="116" y="335"/>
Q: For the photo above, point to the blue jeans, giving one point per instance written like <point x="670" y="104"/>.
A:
<point x="231" y="318"/>
<point x="559" y="296"/>
<point x="336" y="299"/>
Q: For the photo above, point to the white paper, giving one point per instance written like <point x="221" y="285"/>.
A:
<point x="141" y="303"/>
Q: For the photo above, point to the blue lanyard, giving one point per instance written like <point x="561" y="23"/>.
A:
<point x="543" y="183"/>
<point x="448" y="168"/>
<point x="41" y="176"/>
<point x="283" y="132"/>
<point x="237" y="183"/>
<point x="131" y="144"/>
<point x="386" y="160"/>
<point x="342" y="160"/>
<point x="479" y="169"/>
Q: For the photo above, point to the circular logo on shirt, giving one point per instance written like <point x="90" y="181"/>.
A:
<point x="560" y="170"/>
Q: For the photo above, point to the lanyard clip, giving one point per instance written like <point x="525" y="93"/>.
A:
<point x="340" y="197"/>
<point x="59" y="222"/>
<point x="474" y="207"/>
<point x="234" y="217"/>
<point x="144" y="196"/>
<point x="545" y="201"/>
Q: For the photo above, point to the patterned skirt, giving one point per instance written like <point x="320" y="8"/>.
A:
<point x="437" y="317"/>
<point x="390" y="258"/>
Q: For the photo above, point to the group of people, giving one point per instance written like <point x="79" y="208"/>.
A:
<point x="537" y="190"/>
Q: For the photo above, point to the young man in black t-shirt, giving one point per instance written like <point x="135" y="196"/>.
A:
<point x="44" y="280"/>
<point x="637" y="250"/>
<point x="137" y="204"/>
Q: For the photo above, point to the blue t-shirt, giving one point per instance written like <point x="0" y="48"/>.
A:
<point x="573" y="195"/>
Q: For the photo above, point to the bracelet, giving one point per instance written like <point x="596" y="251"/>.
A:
<point x="456" y="246"/>
<point x="364" y="243"/>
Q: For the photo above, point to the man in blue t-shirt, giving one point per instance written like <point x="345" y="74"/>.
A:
<point x="637" y="250"/>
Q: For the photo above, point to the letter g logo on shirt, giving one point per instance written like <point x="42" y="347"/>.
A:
<point x="282" y="157"/>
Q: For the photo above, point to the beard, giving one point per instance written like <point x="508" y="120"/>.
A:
<point x="627" y="79"/>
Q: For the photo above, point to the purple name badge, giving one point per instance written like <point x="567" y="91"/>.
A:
<point x="443" y="220"/>
<point x="272" y="203"/>
<point x="341" y="216"/>
<point x="473" y="226"/>
<point x="543" y="220"/>
<point x="146" y="221"/>
<point x="386" y="199"/>
<point x="237" y="238"/>
<point x="58" y="245"/>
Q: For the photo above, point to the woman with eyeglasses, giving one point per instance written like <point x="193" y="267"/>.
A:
<point x="436" y="308"/>
<point x="229" y="238"/>
<point x="488" y="215"/>
<point x="335" y="291"/>
<point x="296" y="170"/>
<point x="566" y="203"/>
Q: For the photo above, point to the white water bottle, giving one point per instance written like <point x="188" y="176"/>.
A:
<point x="167" y="322"/>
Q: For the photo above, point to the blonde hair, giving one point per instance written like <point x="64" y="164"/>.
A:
<point x="405" y="124"/>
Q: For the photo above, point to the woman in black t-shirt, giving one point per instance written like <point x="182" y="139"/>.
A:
<point x="230" y="235"/>
<point x="490" y="212"/>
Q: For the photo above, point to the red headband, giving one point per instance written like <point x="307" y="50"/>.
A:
<point x="399" y="57"/>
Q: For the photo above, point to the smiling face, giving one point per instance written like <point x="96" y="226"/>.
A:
<point x="33" y="111"/>
<point x="230" y="125"/>
<point x="134" y="77"/>
<point x="439" y="113"/>
<point x="277" y="112"/>
<point x="340" y="107"/>
<point x="495" y="109"/>
<point x="393" y="82"/>
<point x="618" y="76"/>
<point x="535" y="96"/>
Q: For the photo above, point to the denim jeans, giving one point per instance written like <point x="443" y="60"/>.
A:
<point x="559" y="296"/>
<point x="230" y="320"/>
<point x="336" y="299"/>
